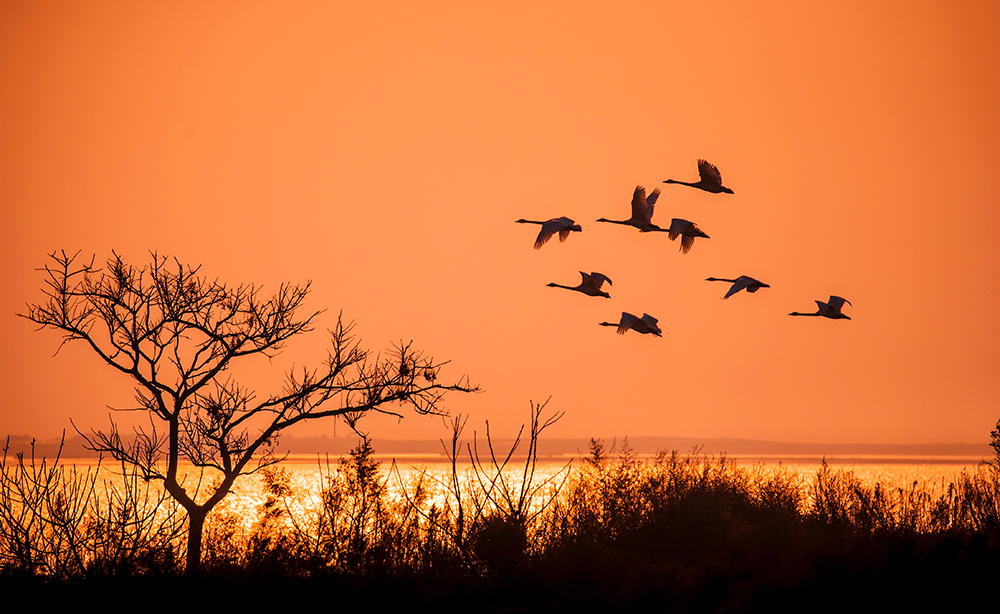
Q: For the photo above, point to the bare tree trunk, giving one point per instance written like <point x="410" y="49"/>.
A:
<point x="196" y="523"/>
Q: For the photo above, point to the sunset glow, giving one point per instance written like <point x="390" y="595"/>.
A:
<point x="384" y="151"/>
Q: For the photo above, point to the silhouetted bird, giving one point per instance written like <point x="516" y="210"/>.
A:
<point x="642" y="211"/>
<point x="830" y="309"/>
<point x="562" y="225"/>
<point x="645" y="325"/>
<point x="711" y="179"/>
<point x="687" y="231"/>
<point x="741" y="283"/>
<point x="591" y="285"/>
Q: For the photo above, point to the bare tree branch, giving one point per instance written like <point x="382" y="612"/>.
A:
<point x="176" y="333"/>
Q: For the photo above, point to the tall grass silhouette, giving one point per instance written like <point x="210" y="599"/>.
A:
<point x="683" y="532"/>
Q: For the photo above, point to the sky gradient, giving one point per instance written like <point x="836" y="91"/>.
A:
<point x="383" y="150"/>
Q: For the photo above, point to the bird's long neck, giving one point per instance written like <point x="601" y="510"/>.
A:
<point x="680" y="182"/>
<point x="796" y="313"/>
<point x="528" y="222"/>
<point x="614" y="221"/>
<point x="609" y="324"/>
<point x="555" y="285"/>
<point x="732" y="281"/>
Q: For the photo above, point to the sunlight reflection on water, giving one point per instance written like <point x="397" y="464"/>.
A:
<point x="307" y="477"/>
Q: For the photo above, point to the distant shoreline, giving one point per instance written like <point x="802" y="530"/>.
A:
<point x="308" y="449"/>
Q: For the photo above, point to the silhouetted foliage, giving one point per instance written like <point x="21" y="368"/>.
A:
<point x="177" y="333"/>
<point x="680" y="532"/>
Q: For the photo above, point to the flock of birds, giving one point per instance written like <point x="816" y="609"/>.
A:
<point x="642" y="218"/>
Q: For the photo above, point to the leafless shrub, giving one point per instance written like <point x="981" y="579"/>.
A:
<point x="65" y="522"/>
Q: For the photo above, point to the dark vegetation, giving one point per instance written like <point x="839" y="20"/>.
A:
<point x="680" y="533"/>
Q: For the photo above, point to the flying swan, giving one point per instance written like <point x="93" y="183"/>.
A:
<point x="591" y="284"/>
<point x="711" y="179"/>
<point x="830" y="309"/>
<point x="741" y="283"/>
<point x="562" y="225"/>
<point x="645" y="325"/>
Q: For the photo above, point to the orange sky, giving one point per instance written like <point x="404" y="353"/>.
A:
<point x="383" y="150"/>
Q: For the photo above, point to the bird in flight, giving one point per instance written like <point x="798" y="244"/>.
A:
<point x="642" y="211"/>
<point x="562" y="225"/>
<point x="645" y="325"/>
<point x="591" y="284"/>
<point x="711" y="179"/>
<point x="830" y="309"/>
<point x="687" y="231"/>
<point x="741" y="283"/>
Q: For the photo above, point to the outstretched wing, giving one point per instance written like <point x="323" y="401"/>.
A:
<point x="837" y="303"/>
<point x="709" y="173"/>
<point x="626" y="322"/>
<point x="677" y="226"/>
<point x="650" y="201"/>
<point x="549" y="228"/>
<point x="651" y="324"/>
<point x="740" y="284"/>
<point x="567" y="227"/>
<point x="595" y="279"/>
<point x="640" y="205"/>
<point x="562" y="225"/>
<point x="743" y="282"/>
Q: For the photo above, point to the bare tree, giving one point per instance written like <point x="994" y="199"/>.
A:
<point x="176" y="333"/>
